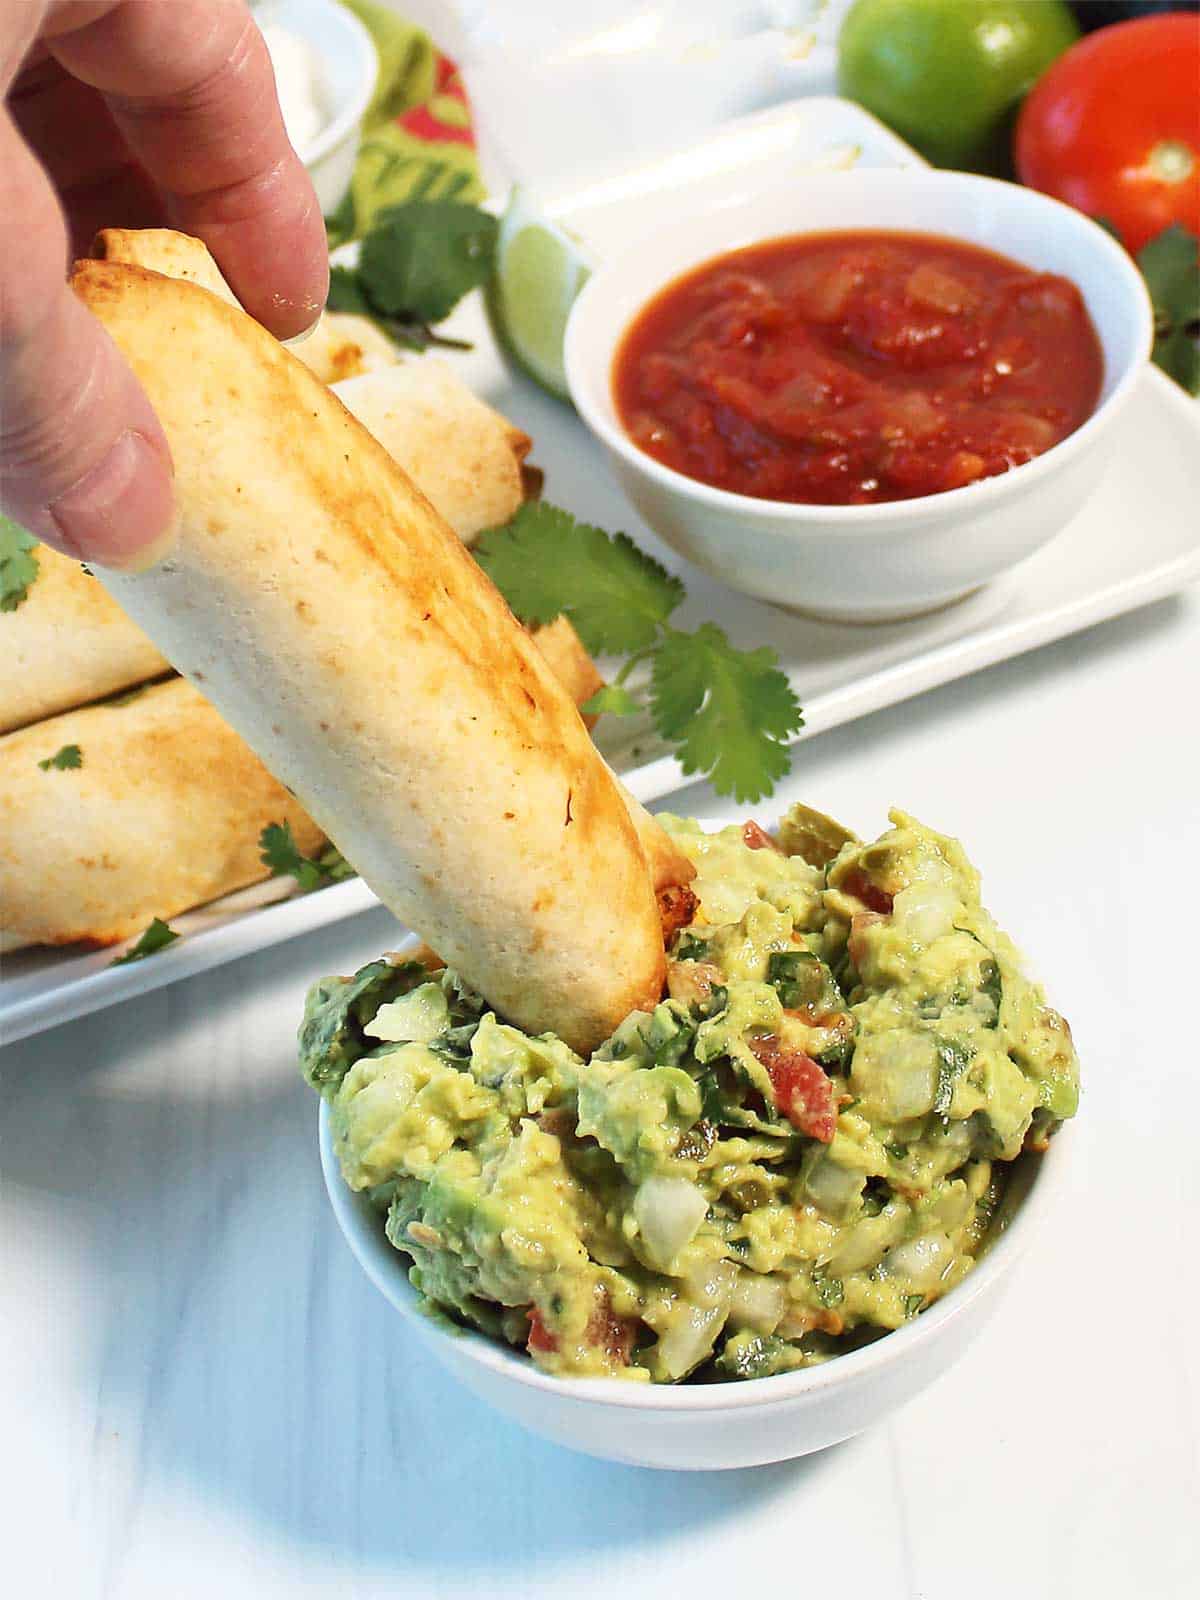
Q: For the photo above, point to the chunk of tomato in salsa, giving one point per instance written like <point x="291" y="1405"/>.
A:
<point x="848" y="368"/>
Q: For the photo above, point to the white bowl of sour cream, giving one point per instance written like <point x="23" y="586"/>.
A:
<point x="325" y="71"/>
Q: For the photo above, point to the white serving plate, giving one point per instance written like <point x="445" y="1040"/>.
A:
<point x="1135" y="541"/>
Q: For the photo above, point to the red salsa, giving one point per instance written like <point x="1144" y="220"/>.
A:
<point x="845" y="368"/>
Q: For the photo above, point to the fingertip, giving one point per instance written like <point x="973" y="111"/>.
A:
<point x="277" y="263"/>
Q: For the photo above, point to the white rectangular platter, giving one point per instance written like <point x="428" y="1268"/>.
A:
<point x="1136" y="540"/>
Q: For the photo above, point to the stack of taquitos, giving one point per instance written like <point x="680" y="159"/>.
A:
<point x="93" y="854"/>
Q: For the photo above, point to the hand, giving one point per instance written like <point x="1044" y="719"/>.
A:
<point x="129" y="113"/>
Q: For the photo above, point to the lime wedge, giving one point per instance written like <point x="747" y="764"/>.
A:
<point x="540" y="268"/>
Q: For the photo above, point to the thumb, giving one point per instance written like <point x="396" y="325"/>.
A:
<point x="84" y="463"/>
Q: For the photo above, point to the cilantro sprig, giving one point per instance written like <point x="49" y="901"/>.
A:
<point x="155" y="938"/>
<point x="545" y="563"/>
<point x="18" y="564"/>
<point x="282" y="854"/>
<point x="415" y="265"/>
<point x="728" y="713"/>
<point x="1170" y="264"/>
<point x="68" y="759"/>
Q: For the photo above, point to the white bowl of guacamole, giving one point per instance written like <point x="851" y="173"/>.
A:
<point x="760" y="1216"/>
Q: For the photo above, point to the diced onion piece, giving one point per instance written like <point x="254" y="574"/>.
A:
<point x="931" y="286"/>
<point x="925" y="911"/>
<point x="419" y="1015"/>
<point x="712" y="1284"/>
<point x="899" y="1071"/>
<point x="757" y="1302"/>
<point x="861" y="1246"/>
<point x="686" y="1343"/>
<point x="833" y="1189"/>
<point x="668" y="1212"/>
<point x="919" y="1264"/>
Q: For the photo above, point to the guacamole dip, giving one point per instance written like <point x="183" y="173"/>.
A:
<point x="800" y="1148"/>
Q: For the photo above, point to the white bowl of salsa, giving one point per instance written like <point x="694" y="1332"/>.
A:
<point x="865" y="394"/>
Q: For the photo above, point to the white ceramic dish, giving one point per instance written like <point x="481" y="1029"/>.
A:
<point x="867" y="563"/>
<point x="348" y="69"/>
<point x="707" y="1427"/>
<point x="1096" y="568"/>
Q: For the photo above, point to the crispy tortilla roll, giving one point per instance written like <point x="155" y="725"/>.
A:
<point x="343" y="345"/>
<point x="338" y="623"/>
<point x="69" y="642"/>
<point x="215" y="806"/>
<point x="340" y="346"/>
<point x="147" y="826"/>
<point x="464" y="456"/>
<point x="571" y="665"/>
<point x="66" y="643"/>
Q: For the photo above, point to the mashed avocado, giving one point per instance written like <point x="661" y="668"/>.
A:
<point x="799" y="1148"/>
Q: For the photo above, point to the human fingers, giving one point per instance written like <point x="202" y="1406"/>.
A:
<point x="70" y="128"/>
<point x="84" y="464"/>
<point x="190" y="86"/>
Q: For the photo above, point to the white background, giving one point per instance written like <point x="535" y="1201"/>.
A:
<point x="201" y="1396"/>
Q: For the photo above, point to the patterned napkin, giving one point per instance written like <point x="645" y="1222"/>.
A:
<point x="417" y="140"/>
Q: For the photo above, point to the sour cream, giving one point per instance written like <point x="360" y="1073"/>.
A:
<point x="300" y="84"/>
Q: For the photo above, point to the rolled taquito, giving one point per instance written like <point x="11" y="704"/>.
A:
<point x="464" y="456"/>
<point x="342" y="345"/>
<point x="68" y="642"/>
<point x="163" y="813"/>
<point x="137" y="831"/>
<point x="336" y="621"/>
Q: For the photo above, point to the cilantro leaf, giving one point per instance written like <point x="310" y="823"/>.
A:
<point x="337" y="1010"/>
<point x="18" y="564"/>
<point x="830" y="1290"/>
<point x="546" y="564"/>
<point x="346" y="293"/>
<point x="730" y="711"/>
<point x="612" y="699"/>
<point x="156" y="937"/>
<point x="421" y="258"/>
<point x="1170" y="264"/>
<point x="280" y="852"/>
<point x="65" y="760"/>
<point x="1178" y="354"/>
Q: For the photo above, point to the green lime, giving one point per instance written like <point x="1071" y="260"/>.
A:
<point x="948" y="75"/>
<point x="540" y="268"/>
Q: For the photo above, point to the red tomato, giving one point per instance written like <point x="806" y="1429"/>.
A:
<point x="615" y="1335"/>
<point x="1113" y="127"/>
<point x="857" y="883"/>
<point x="757" y="838"/>
<point x="803" y="1092"/>
<point x="540" y="1337"/>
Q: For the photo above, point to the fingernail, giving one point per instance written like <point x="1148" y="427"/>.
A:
<point x="306" y="333"/>
<point x="122" y="513"/>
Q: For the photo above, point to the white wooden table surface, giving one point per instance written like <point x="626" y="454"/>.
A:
<point x="201" y="1396"/>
